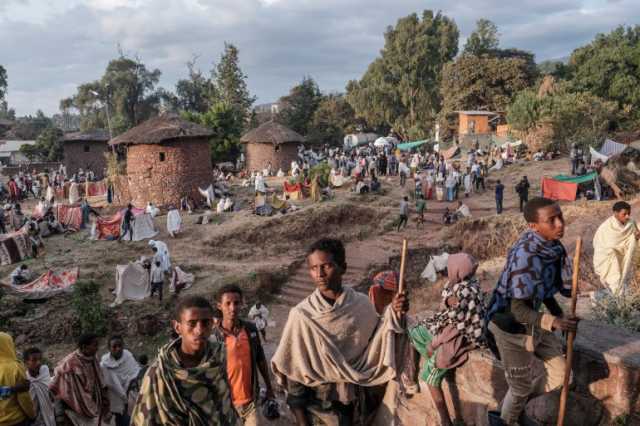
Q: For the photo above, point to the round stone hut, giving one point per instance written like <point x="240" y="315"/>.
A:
<point x="271" y="143"/>
<point x="167" y="159"/>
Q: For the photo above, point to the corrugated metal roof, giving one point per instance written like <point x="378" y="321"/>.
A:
<point x="477" y="112"/>
<point x="13" y="145"/>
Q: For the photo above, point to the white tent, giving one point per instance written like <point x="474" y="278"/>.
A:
<point x="611" y="148"/>
<point x="143" y="228"/>
<point x="595" y="156"/>
<point x="385" y="141"/>
<point x="132" y="283"/>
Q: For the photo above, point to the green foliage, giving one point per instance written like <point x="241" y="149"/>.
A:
<point x="483" y="39"/>
<point x="299" y="106"/>
<point x="231" y="83"/>
<point x="483" y="82"/>
<point x="400" y="89"/>
<point x="609" y="67"/>
<point x="3" y="82"/>
<point x="227" y="129"/>
<point x="322" y="170"/>
<point x="48" y="146"/>
<point x="127" y="89"/>
<point x="30" y="127"/>
<point x="621" y="312"/>
<point x="575" y="117"/>
<point x="332" y="119"/>
<point x="195" y="93"/>
<point x="89" y="308"/>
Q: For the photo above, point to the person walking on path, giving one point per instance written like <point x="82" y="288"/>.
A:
<point x="499" y="196"/>
<point x="404" y="213"/>
<point x="522" y="188"/>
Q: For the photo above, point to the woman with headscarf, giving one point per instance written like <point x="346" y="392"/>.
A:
<point x="445" y="339"/>
<point x="16" y="406"/>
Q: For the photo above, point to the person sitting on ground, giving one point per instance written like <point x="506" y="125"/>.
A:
<point x="445" y="338"/>
<point x="21" y="275"/>
<point x="187" y="383"/>
<point x="361" y="186"/>
<point x="16" y="406"/>
<point x="245" y="356"/>
<point x="462" y="211"/>
<point x="119" y="369"/>
<point x="78" y="386"/>
<point x="39" y="379"/>
<point x="537" y="268"/>
<point x="331" y="351"/>
<point x="259" y="314"/>
<point x="448" y="218"/>
<point x="614" y="250"/>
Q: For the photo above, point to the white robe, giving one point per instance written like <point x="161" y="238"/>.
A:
<point x="614" y="247"/>
<point x="152" y="210"/>
<point x="163" y="254"/>
<point x="118" y="375"/>
<point x="42" y="400"/>
<point x="260" y="316"/>
<point x="74" y="193"/>
<point x="174" y="221"/>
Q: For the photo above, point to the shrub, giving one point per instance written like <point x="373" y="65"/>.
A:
<point x="89" y="308"/>
<point x="620" y="312"/>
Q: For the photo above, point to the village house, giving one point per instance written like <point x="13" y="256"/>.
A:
<point x="10" y="154"/>
<point x="167" y="158"/>
<point x="86" y="151"/>
<point x="481" y="127"/>
<point x="271" y="143"/>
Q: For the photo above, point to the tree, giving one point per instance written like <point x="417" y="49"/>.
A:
<point x="230" y="83"/>
<point x="332" y="119"/>
<point x="299" y="106"/>
<point x="127" y="88"/>
<point x="609" y="67"/>
<point x="48" y="146"/>
<point x="194" y="94"/>
<point x="400" y="89"/>
<point x="483" y="83"/>
<point x="227" y="130"/>
<point x="483" y="40"/>
<point x="3" y="83"/>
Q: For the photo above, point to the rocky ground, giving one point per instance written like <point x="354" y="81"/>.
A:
<point x="265" y="255"/>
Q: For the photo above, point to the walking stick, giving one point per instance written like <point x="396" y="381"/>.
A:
<point x="571" y="336"/>
<point x="403" y="260"/>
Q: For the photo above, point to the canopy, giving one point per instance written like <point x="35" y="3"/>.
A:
<point x="382" y="141"/>
<point x="610" y="148"/>
<point x="577" y="179"/>
<point x="410" y="145"/>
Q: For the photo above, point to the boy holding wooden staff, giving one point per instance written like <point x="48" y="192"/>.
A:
<point x="537" y="268"/>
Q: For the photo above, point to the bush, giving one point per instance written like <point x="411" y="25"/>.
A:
<point x="89" y="308"/>
<point x="620" y="312"/>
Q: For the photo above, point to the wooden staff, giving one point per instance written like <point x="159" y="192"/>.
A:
<point x="571" y="336"/>
<point x="403" y="260"/>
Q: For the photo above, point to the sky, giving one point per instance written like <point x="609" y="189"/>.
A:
<point x="49" y="47"/>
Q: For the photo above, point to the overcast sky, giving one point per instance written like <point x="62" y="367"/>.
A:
<point x="49" y="47"/>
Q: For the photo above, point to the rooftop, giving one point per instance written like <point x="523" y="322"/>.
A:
<point x="475" y="112"/>
<point x="272" y="132"/>
<point x="163" y="128"/>
<point x="98" y="135"/>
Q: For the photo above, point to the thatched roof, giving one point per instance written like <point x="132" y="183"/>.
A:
<point x="163" y="128"/>
<point x="98" y="135"/>
<point x="272" y="132"/>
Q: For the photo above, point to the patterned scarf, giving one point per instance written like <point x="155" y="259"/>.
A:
<point x="175" y="396"/>
<point x="467" y="316"/>
<point x="536" y="269"/>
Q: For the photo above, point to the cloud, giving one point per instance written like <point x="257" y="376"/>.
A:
<point x="48" y="50"/>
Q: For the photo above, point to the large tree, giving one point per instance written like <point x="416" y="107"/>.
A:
<point x="483" y="82"/>
<point x="5" y="112"/>
<point x="3" y="82"/>
<point x="484" y="39"/>
<point x="609" y="67"/>
<point x="196" y="92"/>
<point x="227" y="130"/>
<point x="127" y="89"/>
<point x="299" y="106"/>
<point x="48" y="146"/>
<point x="400" y="88"/>
<point x="231" y="83"/>
<point x="332" y="119"/>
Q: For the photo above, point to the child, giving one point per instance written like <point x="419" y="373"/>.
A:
<point x="39" y="379"/>
<point x="157" y="278"/>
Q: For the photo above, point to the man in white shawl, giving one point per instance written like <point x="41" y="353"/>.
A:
<point x="39" y="379"/>
<point x="259" y="314"/>
<point x="152" y="210"/>
<point x="162" y="254"/>
<point x="119" y="369"/>
<point x="174" y="221"/>
<point x="334" y="346"/>
<point x="614" y="247"/>
<point x="74" y="192"/>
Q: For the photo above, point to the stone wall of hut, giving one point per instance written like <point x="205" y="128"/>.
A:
<point x="87" y="155"/>
<point x="164" y="173"/>
<point x="258" y="156"/>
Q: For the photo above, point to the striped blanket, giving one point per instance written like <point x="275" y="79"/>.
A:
<point x="14" y="247"/>
<point x="69" y="215"/>
<point x="47" y="285"/>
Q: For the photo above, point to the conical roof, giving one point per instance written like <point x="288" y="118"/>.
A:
<point x="160" y="129"/>
<point x="272" y="132"/>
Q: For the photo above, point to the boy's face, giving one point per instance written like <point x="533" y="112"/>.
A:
<point x="116" y="347"/>
<point x="194" y="328"/>
<point x="230" y="304"/>
<point x="33" y="362"/>
<point x="550" y="223"/>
